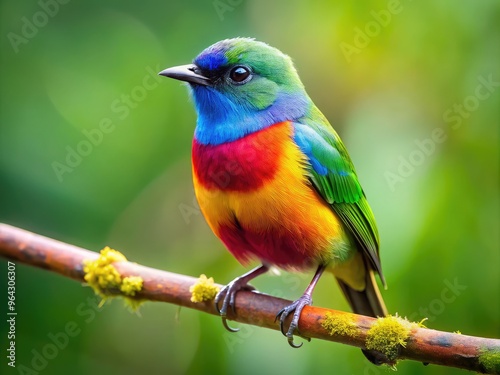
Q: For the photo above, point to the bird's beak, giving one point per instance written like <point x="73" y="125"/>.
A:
<point x="188" y="73"/>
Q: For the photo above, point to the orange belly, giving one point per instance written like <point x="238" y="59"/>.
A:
<point x="280" y="219"/>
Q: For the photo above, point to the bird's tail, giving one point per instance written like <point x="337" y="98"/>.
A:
<point x="367" y="302"/>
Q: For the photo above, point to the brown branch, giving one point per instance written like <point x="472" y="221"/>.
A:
<point x="425" y="345"/>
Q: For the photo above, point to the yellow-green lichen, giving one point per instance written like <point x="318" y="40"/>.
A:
<point x="388" y="334"/>
<point x="100" y="274"/>
<point x="105" y="280"/>
<point x="339" y="324"/>
<point x="131" y="285"/>
<point x="204" y="289"/>
<point x="421" y="323"/>
<point x="490" y="360"/>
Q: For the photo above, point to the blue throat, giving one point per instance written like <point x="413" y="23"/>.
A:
<point x="221" y="121"/>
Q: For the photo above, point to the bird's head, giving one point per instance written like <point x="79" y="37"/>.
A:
<point x="241" y="86"/>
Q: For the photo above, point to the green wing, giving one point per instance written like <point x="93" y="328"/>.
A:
<point x="333" y="175"/>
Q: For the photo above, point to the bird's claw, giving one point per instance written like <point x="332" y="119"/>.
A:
<point x="295" y="308"/>
<point x="292" y="344"/>
<point x="228" y="296"/>
<point x="227" y="326"/>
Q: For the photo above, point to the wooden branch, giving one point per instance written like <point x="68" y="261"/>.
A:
<point x="424" y="345"/>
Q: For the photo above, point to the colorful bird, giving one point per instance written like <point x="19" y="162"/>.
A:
<point x="273" y="179"/>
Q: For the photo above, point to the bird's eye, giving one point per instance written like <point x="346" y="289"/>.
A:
<point x="240" y="74"/>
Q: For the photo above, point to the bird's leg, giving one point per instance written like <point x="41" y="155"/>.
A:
<point x="228" y="293"/>
<point x="297" y="306"/>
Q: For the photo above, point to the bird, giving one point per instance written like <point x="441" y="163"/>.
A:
<point x="274" y="181"/>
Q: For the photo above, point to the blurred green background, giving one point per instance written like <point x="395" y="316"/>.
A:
<point x="413" y="88"/>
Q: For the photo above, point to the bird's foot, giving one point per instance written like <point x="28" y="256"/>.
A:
<point x="295" y="308"/>
<point x="228" y="296"/>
